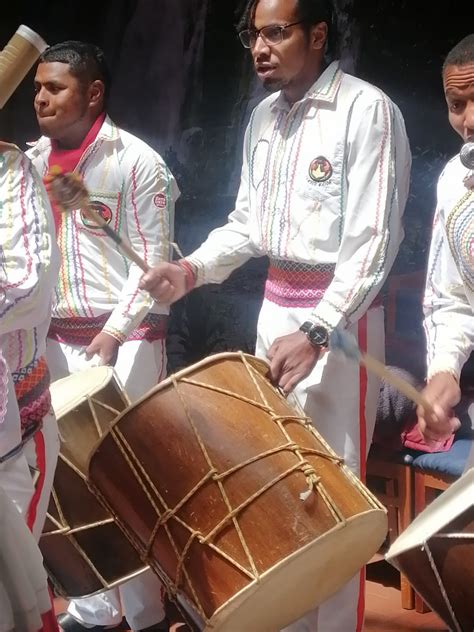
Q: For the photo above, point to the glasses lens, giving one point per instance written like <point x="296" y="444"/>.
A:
<point x="246" y="37"/>
<point x="272" y="34"/>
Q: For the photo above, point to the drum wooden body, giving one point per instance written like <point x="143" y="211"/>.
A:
<point x="233" y="499"/>
<point x="436" y="553"/>
<point x="84" y="551"/>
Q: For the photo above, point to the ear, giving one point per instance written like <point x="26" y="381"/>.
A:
<point x="319" y="36"/>
<point x="96" y="92"/>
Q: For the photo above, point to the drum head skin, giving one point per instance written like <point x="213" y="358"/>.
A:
<point x="73" y="389"/>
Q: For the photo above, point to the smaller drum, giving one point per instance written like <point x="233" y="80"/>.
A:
<point x="436" y="553"/>
<point x="83" y="549"/>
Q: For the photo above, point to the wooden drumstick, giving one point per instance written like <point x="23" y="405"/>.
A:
<point x="69" y="193"/>
<point x="344" y="341"/>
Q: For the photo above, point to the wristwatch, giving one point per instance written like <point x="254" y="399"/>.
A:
<point x="316" y="334"/>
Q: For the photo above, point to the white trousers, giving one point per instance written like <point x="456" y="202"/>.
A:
<point x="140" y="366"/>
<point x="24" y="595"/>
<point x="341" y="399"/>
<point x="38" y="459"/>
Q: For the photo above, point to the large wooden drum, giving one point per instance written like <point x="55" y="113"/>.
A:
<point x="84" y="551"/>
<point x="436" y="553"/>
<point x="234" y="500"/>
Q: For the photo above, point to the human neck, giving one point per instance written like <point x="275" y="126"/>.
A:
<point x="76" y="135"/>
<point x="296" y="90"/>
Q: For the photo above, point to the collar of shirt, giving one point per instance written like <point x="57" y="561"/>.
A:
<point x="324" y="89"/>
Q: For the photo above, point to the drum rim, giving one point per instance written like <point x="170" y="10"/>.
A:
<point x="105" y="373"/>
<point x="379" y="524"/>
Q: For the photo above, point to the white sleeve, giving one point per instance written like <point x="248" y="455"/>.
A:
<point x="151" y="192"/>
<point x="449" y="319"/>
<point x="30" y="257"/>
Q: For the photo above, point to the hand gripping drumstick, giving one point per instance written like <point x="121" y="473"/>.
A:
<point x="69" y="192"/>
<point x="344" y="341"/>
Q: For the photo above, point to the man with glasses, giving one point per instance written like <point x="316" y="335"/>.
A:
<point x="324" y="183"/>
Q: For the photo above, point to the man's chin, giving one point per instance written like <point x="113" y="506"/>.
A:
<point x="273" y="85"/>
<point x="47" y="130"/>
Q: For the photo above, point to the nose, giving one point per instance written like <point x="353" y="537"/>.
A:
<point x="260" y="47"/>
<point x="40" y="98"/>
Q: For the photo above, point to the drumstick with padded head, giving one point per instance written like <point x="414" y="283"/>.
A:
<point x="69" y="193"/>
<point x="344" y="341"/>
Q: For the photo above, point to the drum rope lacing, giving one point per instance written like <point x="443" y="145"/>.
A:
<point x="165" y="514"/>
<point x="68" y="532"/>
<point x="63" y="528"/>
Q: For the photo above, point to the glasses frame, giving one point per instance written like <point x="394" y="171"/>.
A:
<point x="261" y="33"/>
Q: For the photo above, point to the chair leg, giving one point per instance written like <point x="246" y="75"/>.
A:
<point x="421" y="500"/>
<point x="420" y="606"/>
<point x="407" y="593"/>
<point x="405" y="516"/>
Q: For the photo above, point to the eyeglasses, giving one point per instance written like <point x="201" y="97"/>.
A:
<point x="271" y="34"/>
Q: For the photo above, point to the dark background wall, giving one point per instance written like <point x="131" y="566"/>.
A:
<point x="183" y="83"/>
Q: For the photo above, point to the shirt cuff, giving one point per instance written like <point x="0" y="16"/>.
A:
<point x="120" y="327"/>
<point x="198" y="269"/>
<point x="445" y="364"/>
<point x="328" y="315"/>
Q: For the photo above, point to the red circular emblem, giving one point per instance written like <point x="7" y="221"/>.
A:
<point x="320" y="169"/>
<point x="102" y="209"/>
<point x="160" y="200"/>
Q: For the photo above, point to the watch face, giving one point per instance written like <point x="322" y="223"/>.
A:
<point x="319" y="335"/>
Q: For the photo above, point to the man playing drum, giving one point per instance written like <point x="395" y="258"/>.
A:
<point x="98" y="308"/>
<point x="449" y="294"/>
<point x="324" y="184"/>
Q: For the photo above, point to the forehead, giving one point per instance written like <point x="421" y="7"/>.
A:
<point x="54" y="71"/>
<point x="275" y="12"/>
<point x="458" y="78"/>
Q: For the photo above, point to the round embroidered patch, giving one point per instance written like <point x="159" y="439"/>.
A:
<point x="102" y="209"/>
<point x="320" y="169"/>
<point x="460" y="230"/>
<point x="160" y="200"/>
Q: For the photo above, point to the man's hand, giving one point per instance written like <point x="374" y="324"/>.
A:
<point x="106" y="347"/>
<point x="166" y="282"/>
<point x="443" y="393"/>
<point x="292" y="358"/>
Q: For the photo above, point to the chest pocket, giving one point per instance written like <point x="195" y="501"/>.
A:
<point x="320" y="178"/>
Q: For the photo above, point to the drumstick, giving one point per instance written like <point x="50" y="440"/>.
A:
<point x="70" y="193"/>
<point x="344" y="341"/>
